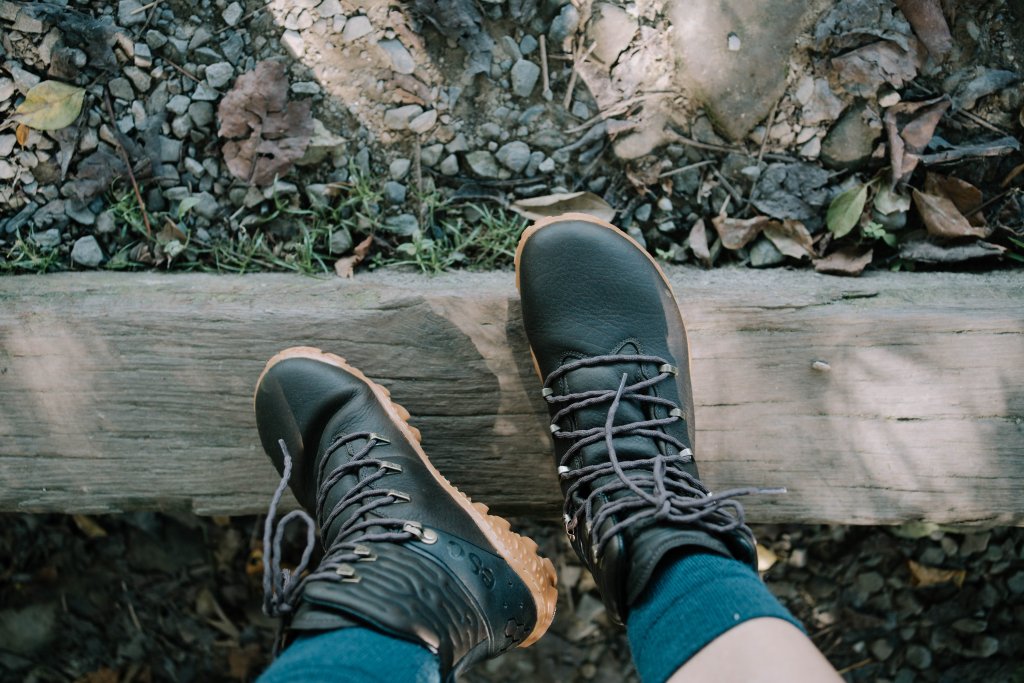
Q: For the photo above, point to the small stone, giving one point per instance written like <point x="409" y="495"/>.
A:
<point x="233" y="48"/>
<point x="399" y="168"/>
<point x="201" y="113"/>
<point x="293" y="43"/>
<point x="975" y="543"/>
<point x="105" y="223"/>
<point x="356" y="27"/>
<point x="394" y="192"/>
<point x="851" y="140"/>
<point x="130" y="13"/>
<point x="763" y="254"/>
<point x="733" y="42"/>
<point x="490" y="131"/>
<point x="401" y="60"/>
<point x="329" y="8"/>
<point x="139" y="78"/>
<point x="483" y="164"/>
<point x="1016" y="583"/>
<point x="967" y="625"/>
<point x="28" y="630"/>
<point x="121" y="88"/>
<point x="450" y="165"/>
<point x="431" y="154"/>
<point x="564" y="25"/>
<point x="404" y="224"/>
<point x="47" y="239"/>
<point x="87" y="252"/>
<point x="871" y="582"/>
<point x="155" y="39"/>
<point x="232" y="14"/>
<point x="919" y="657"/>
<point x="514" y="156"/>
<point x="888" y="99"/>
<point x="79" y="212"/>
<point x="218" y="75"/>
<point x="458" y="144"/>
<point x="882" y="649"/>
<point x="194" y="167"/>
<point x="201" y="37"/>
<point x="546" y="166"/>
<point x="7" y="143"/>
<point x="665" y="204"/>
<point x="811" y="149"/>
<point x="399" y="117"/>
<point x="178" y="104"/>
<point x="527" y="45"/>
<point x="143" y="56"/>
<point x="643" y="213"/>
<point x="424" y="122"/>
<point x="986" y="646"/>
<point x="305" y="88"/>
<point x="341" y="241"/>
<point x="524" y="77"/>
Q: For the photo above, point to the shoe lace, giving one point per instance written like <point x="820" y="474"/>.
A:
<point x="663" y="491"/>
<point x="281" y="587"/>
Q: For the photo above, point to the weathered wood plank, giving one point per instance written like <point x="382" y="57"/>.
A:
<point x="134" y="391"/>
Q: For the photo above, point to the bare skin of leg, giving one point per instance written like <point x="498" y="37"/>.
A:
<point x="763" y="650"/>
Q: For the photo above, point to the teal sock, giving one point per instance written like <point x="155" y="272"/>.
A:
<point x="688" y="603"/>
<point x="353" y="655"/>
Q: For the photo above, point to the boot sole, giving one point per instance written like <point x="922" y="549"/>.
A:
<point x="583" y="218"/>
<point x="519" y="551"/>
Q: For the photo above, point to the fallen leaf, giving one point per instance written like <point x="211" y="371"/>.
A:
<point x="21" y="134"/>
<point x="925" y="16"/>
<point x="346" y="266"/>
<point x="992" y="148"/>
<point x="698" y="241"/>
<point x="923" y="251"/>
<point x="1017" y="170"/>
<point x="864" y="70"/>
<point x="536" y="208"/>
<point x="736" y="233"/>
<point x="89" y="526"/>
<point x="102" y="675"/>
<point x="243" y="661"/>
<point x="984" y="81"/>
<point x="888" y="201"/>
<point x="766" y="558"/>
<point x="50" y="105"/>
<point x="266" y="133"/>
<point x="849" y="261"/>
<point x="791" y="238"/>
<point x="845" y="210"/>
<point x="910" y="127"/>
<point x="95" y="174"/>
<point x="462" y="20"/>
<point x="966" y="197"/>
<point x="942" y="219"/>
<point x="922" y="576"/>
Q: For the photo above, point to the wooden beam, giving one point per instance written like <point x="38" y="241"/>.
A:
<point x="134" y="391"/>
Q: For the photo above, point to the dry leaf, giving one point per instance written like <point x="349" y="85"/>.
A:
<point x="1017" y="170"/>
<point x="21" y="134"/>
<point x="103" y="675"/>
<point x="698" y="242"/>
<point x="923" y="251"/>
<point x="910" y="126"/>
<point x="922" y="576"/>
<point x="791" y="238"/>
<point x="95" y="174"/>
<point x="864" y="70"/>
<point x="89" y="526"/>
<point x="266" y="133"/>
<point x="736" y="233"/>
<point x="925" y="16"/>
<point x="942" y="219"/>
<point x="966" y="197"/>
<point x="50" y="105"/>
<point x="536" y="208"/>
<point x="849" y="261"/>
<point x="243" y="661"/>
<point x="346" y="266"/>
<point x="766" y="558"/>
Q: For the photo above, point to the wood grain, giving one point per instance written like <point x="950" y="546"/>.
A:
<point x="134" y="391"/>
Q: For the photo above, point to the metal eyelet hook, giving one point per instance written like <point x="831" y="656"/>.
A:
<point x="347" y="573"/>
<point x="428" y="536"/>
<point x="374" y="436"/>
<point x="676" y="412"/>
<point x="668" y="368"/>
<point x="399" y="496"/>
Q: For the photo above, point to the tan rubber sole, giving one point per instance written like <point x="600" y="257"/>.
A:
<point x="519" y="551"/>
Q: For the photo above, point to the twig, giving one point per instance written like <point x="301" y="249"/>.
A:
<point x="688" y="167"/>
<point x="705" y="145"/>
<point x="767" y="127"/>
<point x="140" y="10"/>
<point x="614" y="110"/>
<point x="417" y="172"/>
<point x="127" y="163"/>
<point x="131" y="609"/>
<point x="575" y="74"/>
<point x="250" y="15"/>
<point x="853" y="667"/>
<point x="546" y="91"/>
<point x="182" y="70"/>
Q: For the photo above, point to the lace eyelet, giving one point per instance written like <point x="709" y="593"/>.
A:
<point x="374" y="436"/>
<point x="554" y="428"/>
<point x="347" y="573"/>
<point x="668" y="368"/>
<point x="399" y="496"/>
<point x="546" y="391"/>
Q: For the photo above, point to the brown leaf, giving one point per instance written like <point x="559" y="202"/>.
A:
<point x="924" y="251"/>
<point x="910" y="127"/>
<point x="922" y="576"/>
<point x="849" y="261"/>
<point x="95" y="174"/>
<point x="966" y="197"/>
<point x="698" y="241"/>
<point x="346" y="266"/>
<point x="864" y="70"/>
<point x="942" y="219"/>
<point x="266" y="133"/>
<point x="1017" y="170"/>
<point x="791" y="238"/>
<point x="21" y="134"/>
<point x="243" y="661"/>
<point x="925" y="17"/>
<point x="588" y="203"/>
<point x="89" y="526"/>
<point x="736" y="233"/>
<point x="102" y="675"/>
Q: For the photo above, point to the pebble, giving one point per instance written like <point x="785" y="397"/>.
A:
<point x="975" y="543"/>
<point x="882" y="649"/>
<point x="178" y="104"/>
<point x="458" y="144"/>
<point x="763" y="254"/>
<point x="28" y="630"/>
<point x="564" y="25"/>
<point x="46" y="239"/>
<point x="121" y="88"/>
<point x="305" y="88"/>
<point x="232" y="14"/>
<point x="87" y="252"/>
<point x="130" y="13"/>
<point x="7" y="143"/>
<point x="356" y="27"/>
<point x="643" y="213"/>
<point x="524" y="77"/>
<point x="143" y="56"/>
<point x="194" y="167"/>
<point x="394" y="192"/>
<point x="201" y="37"/>
<point x="546" y="166"/>
<point x="139" y="78"/>
<point x="431" y="154"/>
<point x="201" y="113"/>
<point x="341" y="241"/>
<point x="208" y="207"/>
<point x="105" y="223"/>
<point x="155" y="39"/>
<point x="404" y="224"/>
<point x="527" y="45"/>
<point x="220" y="74"/>
<point x="483" y="164"/>
<point x="399" y="117"/>
<point x="514" y="156"/>
<point x="233" y="48"/>
<point x="293" y="43"/>
<point x="422" y="123"/>
<point x="77" y="211"/>
<point x="919" y="657"/>
<point x="329" y="8"/>
<point x="450" y="165"/>
<point x="1016" y="583"/>
<point x="399" y="168"/>
<point x="401" y="60"/>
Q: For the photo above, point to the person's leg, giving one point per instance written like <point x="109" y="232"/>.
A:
<point x="673" y="561"/>
<point x="416" y="582"/>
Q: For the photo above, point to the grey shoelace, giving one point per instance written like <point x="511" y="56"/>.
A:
<point x="282" y="588"/>
<point x="663" y="491"/>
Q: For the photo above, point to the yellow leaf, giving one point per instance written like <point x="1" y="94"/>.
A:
<point x="766" y="558"/>
<point x="21" y="134"/>
<point x="922" y="576"/>
<point x="89" y="526"/>
<point x="51" y="105"/>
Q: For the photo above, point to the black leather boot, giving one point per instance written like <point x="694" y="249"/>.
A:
<point x="406" y="553"/>
<point x="609" y="343"/>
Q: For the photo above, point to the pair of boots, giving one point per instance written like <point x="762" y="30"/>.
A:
<point x="410" y="556"/>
